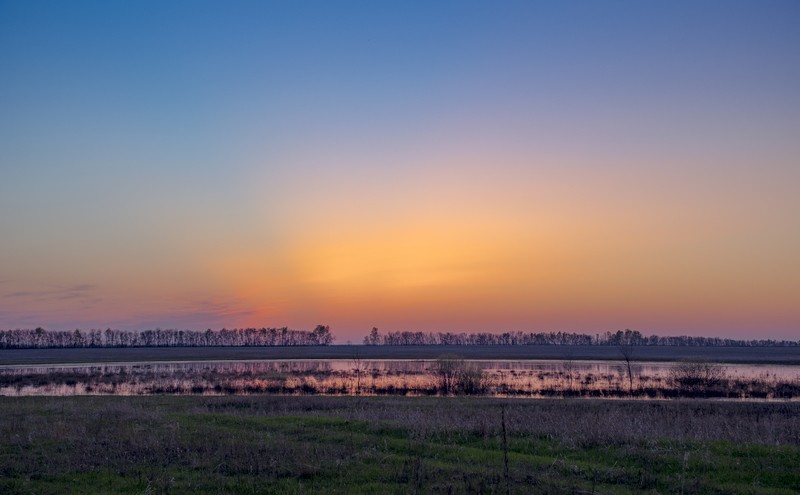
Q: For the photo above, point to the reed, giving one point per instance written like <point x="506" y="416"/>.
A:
<point x="443" y="377"/>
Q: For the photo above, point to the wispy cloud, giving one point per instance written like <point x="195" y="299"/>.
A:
<point x="194" y="314"/>
<point x="80" y="291"/>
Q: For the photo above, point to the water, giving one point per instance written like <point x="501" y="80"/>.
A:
<point x="532" y="378"/>
<point x="785" y="372"/>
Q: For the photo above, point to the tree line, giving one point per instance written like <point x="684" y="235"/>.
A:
<point x="618" y="338"/>
<point x="321" y="335"/>
<point x="244" y="337"/>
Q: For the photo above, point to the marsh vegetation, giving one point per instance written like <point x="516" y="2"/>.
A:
<point x="448" y="375"/>
<point x="445" y="425"/>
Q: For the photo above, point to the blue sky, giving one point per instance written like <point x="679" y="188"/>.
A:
<point x="410" y="165"/>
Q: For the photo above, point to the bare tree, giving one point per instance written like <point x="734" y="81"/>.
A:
<point x="626" y="350"/>
<point x="374" y="337"/>
<point x="358" y="369"/>
<point x="569" y="369"/>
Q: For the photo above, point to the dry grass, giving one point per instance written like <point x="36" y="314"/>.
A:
<point x="275" y="444"/>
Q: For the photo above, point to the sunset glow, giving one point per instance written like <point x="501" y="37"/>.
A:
<point x="457" y="166"/>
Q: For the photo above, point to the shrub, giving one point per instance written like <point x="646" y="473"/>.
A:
<point x="457" y="376"/>
<point x="697" y="376"/>
<point x="471" y="380"/>
<point x="447" y="369"/>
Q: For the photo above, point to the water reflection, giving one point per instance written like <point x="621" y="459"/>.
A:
<point x="391" y="366"/>
<point x="531" y="378"/>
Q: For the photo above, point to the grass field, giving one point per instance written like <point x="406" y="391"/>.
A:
<point x="755" y="355"/>
<point x="172" y="444"/>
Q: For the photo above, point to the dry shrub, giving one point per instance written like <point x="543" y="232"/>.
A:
<point x="447" y="368"/>
<point x="697" y="376"/>
<point x="471" y="380"/>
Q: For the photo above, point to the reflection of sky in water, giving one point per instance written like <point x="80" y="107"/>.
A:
<point x="784" y="372"/>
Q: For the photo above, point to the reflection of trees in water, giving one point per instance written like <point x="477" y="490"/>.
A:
<point x="399" y="366"/>
<point x="376" y="377"/>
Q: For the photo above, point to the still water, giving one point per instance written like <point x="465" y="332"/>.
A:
<point x="531" y="378"/>
<point x="787" y="372"/>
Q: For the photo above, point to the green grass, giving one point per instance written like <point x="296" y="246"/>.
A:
<point x="293" y="445"/>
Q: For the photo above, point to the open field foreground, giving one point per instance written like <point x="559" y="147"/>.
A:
<point x="754" y="355"/>
<point x="174" y="445"/>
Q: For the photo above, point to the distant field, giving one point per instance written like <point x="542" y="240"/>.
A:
<point x="754" y="355"/>
<point x="349" y="445"/>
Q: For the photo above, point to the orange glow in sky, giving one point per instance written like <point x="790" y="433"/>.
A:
<point x="459" y="167"/>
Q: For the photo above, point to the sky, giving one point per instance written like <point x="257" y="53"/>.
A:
<point x="439" y="166"/>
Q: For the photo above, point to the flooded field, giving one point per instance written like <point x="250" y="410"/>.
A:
<point x="446" y="376"/>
